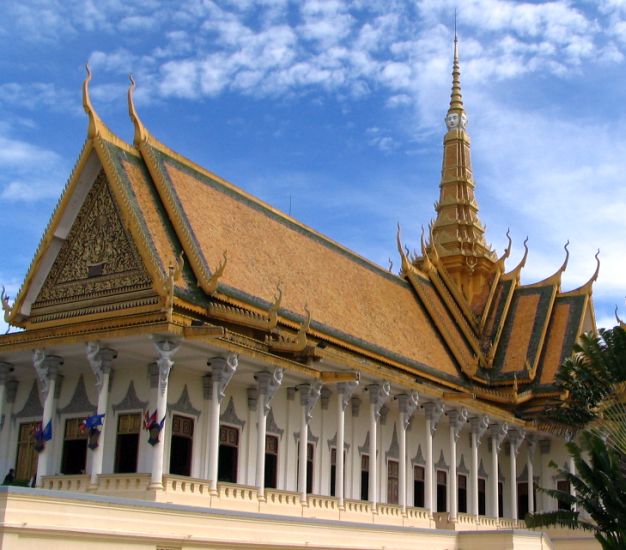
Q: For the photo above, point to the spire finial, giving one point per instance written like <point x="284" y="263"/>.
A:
<point x="456" y="117"/>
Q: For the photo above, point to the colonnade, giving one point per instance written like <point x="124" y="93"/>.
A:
<point x="222" y="370"/>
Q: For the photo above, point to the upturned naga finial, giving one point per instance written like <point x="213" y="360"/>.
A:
<point x="406" y="266"/>
<point x="619" y="321"/>
<point x="507" y="250"/>
<point x="141" y="134"/>
<point x="8" y="310"/>
<point x="94" y="120"/>
<point x="273" y="311"/>
<point x="174" y="274"/>
<point x="211" y="286"/>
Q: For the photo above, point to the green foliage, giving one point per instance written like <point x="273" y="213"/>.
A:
<point x="590" y="375"/>
<point x="599" y="486"/>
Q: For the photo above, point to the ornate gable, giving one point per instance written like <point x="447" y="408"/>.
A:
<point x="98" y="258"/>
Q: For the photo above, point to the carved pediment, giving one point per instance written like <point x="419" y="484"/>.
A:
<point x="98" y="257"/>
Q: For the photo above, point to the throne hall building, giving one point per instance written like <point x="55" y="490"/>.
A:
<point x="197" y="369"/>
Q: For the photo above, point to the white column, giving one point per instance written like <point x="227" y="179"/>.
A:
<point x="478" y="424"/>
<point x="344" y="393"/>
<point x="47" y="369"/>
<point x="165" y="350"/>
<point x="378" y="394"/>
<point x="433" y="411"/>
<point x="498" y="432"/>
<point x="531" y="447"/>
<point x="544" y="449"/>
<point x="100" y="363"/>
<point x="267" y="385"/>
<point x="407" y="403"/>
<point x="309" y="395"/>
<point x="458" y="418"/>
<point x="5" y="437"/>
<point x="291" y="394"/>
<point x="515" y="440"/>
<point x="571" y="466"/>
<point x="5" y="368"/>
<point x="222" y="371"/>
<point x="355" y="465"/>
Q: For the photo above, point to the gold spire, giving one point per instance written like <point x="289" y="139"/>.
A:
<point x="458" y="236"/>
<point x="456" y="98"/>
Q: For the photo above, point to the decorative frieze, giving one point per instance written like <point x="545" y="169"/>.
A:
<point x="130" y="402"/>
<point x="184" y="405"/>
<point x="79" y="402"/>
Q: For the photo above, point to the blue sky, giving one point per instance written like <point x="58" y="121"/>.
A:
<point x="335" y="109"/>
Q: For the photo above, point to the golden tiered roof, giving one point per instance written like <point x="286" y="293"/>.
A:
<point x="195" y="255"/>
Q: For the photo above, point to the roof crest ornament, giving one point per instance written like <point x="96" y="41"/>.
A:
<point x="273" y="311"/>
<point x="8" y="310"/>
<point x="516" y="270"/>
<point x="406" y="266"/>
<point x="211" y="285"/>
<point x="141" y="134"/>
<point x="620" y="322"/>
<point x="507" y="250"/>
<point x="94" y="120"/>
<point x="587" y="287"/>
<point x="554" y="279"/>
<point x="286" y="344"/>
<point x="175" y="272"/>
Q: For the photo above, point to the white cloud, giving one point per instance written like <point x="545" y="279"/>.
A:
<point x="28" y="173"/>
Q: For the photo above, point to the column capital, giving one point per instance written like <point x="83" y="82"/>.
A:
<point x="516" y="436"/>
<point x="268" y="384"/>
<point x="5" y="369"/>
<point x="498" y="433"/>
<point x="100" y="360"/>
<point x="531" y="442"/>
<point x="544" y="446"/>
<point x="47" y="369"/>
<point x="325" y="394"/>
<point x="457" y="419"/>
<point x="479" y="425"/>
<point x="309" y="395"/>
<point x="345" y="391"/>
<point x="433" y="411"/>
<point x="407" y="403"/>
<point x="355" y="403"/>
<point x="11" y="385"/>
<point x="379" y="393"/>
<point x="166" y="348"/>
<point x="222" y="371"/>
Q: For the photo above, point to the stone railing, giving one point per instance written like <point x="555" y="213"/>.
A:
<point x="231" y="496"/>
<point x="78" y="483"/>
<point x="125" y="485"/>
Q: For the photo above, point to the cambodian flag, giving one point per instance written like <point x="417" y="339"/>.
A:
<point x="46" y="433"/>
<point x="93" y="421"/>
